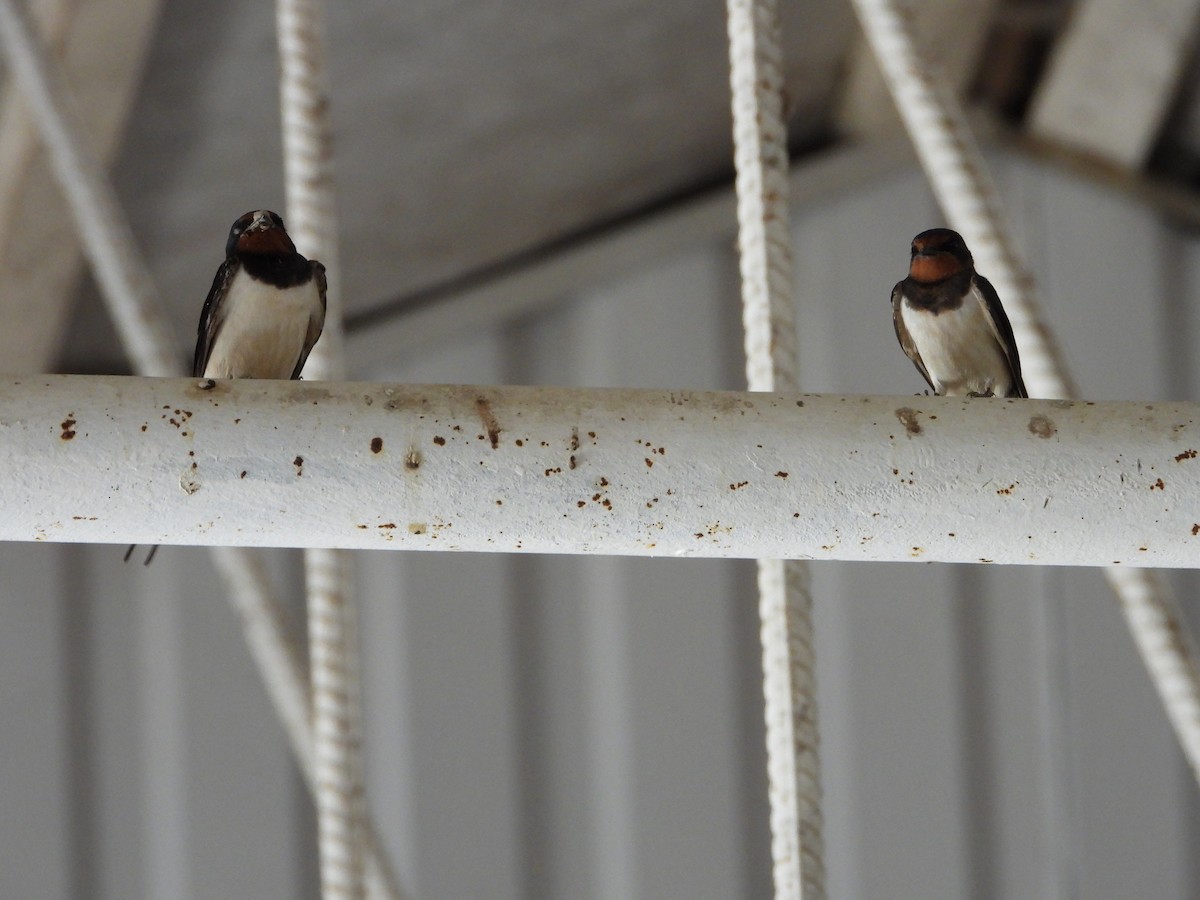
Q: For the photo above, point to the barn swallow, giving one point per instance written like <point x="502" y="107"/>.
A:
<point x="264" y="311"/>
<point x="950" y="322"/>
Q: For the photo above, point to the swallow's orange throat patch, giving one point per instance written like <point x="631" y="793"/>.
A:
<point x="932" y="269"/>
<point x="269" y="242"/>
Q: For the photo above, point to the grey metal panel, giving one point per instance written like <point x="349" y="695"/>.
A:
<point x="36" y="834"/>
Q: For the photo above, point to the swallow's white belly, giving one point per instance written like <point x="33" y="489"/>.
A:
<point x="264" y="330"/>
<point x="959" y="349"/>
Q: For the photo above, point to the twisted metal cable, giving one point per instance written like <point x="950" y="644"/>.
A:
<point x="785" y="603"/>
<point x="332" y="614"/>
<point x="143" y="328"/>
<point x="958" y="175"/>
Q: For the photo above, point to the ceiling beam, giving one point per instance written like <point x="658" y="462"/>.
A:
<point x="102" y="44"/>
<point x="1113" y="77"/>
<point x="537" y="280"/>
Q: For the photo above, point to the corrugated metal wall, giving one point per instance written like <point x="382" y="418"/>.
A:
<point x="590" y="727"/>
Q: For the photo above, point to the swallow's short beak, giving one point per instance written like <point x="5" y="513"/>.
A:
<point x="260" y="222"/>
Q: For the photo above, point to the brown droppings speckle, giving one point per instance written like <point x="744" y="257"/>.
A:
<point x="243" y="474"/>
<point x="68" y="428"/>
<point x="1195" y="529"/>
<point x="571" y="462"/>
<point x="1007" y="490"/>
<point x="951" y="534"/>
<point x="649" y="463"/>
<point x="795" y="515"/>
<point x="298" y="462"/>
<point x="1186" y="454"/>
<point x="574" y="445"/>
<point x="1159" y="484"/>
<point x="457" y="428"/>
<point x="490" y="425"/>
<point x="557" y="470"/>
<point x="738" y="486"/>
<point x="376" y="445"/>
<point x="145" y="426"/>
<point x="519" y="442"/>
<point x="800" y="403"/>
<point x="439" y="440"/>
<point x="1042" y="427"/>
<point x="595" y="497"/>
<point x="603" y="481"/>
<point x="581" y="503"/>
<point x="592" y="435"/>
<point x="781" y="474"/>
<point x="412" y="460"/>
<point x="606" y="503"/>
<point x="363" y="527"/>
<point x="908" y="418"/>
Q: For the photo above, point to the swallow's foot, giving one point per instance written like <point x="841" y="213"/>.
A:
<point x="978" y="394"/>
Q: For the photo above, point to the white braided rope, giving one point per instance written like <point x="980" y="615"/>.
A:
<point x="308" y="165"/>
<point x="107" y="239"/>
<point x="142" y="327"/>
<point x="958" y="175"/>
<point x="332" y="618"/>
<point x="785" y="605"/>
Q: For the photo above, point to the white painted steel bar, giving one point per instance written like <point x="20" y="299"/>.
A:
<point x="103" y="229"/>
<point x="768" y="316"/>
<point x="957" y="172"/>
<point x="142" y="326"/>
<point x="648" y="473"/>
<point x="333" y="657"/>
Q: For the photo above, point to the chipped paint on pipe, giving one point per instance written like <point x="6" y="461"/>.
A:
<point x="624" y="472"/>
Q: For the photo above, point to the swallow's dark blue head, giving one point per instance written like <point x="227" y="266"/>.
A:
<point x="260" y="232"/>
<point x="938" y="254"/>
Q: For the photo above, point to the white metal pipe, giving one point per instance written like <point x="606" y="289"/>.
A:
<point x="958" y="175"/>
<point x="768" y="316"/>
<point x="647" y="473"/>
<point x="332" y="619"/>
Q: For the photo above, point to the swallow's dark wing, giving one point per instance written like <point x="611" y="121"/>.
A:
<point x="316" y="322"/>
<point x="906" y="342"/>
<point x="213" y="315"/>
<point x="1002" y="330"/>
